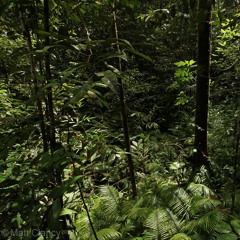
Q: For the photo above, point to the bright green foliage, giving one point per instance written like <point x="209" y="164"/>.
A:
<point x="184" y="75"/>
<point x="164" y="214"/>
<point x="180" y="236"/>
<point x="236" y="226"/>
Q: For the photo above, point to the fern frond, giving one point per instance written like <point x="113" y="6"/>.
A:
<point x="165" y="192"/>
<point x="109" y="191"/>
<point x="201" y="205"/>
<point x="111" y="197"/>
<point x="181" y="203"/>
<point x="205" y="223"/>
<point x="198" y="189"/>
<point x="207" y="203"/>
<point x="174" y="224"/>
<point x="108" y="234"/>
<point x="157" y="225"/>
<point x="180" y="236"/>
<point x="82" y="226"/>
<point x="138" y="213"/>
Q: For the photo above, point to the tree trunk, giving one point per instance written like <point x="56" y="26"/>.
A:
<point x="52" y="137"/>
<point x="27" y="36"/>
<point x="202" y="88"/>
<point x="50" y="110"/>
<point x="125" y="118"/>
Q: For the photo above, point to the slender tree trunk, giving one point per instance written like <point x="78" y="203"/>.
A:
<point x="202" y="89"/>
<point x="27" y="36"/>
<point x="52" y="136"/>
<point x="50" y="110"/>
<point x="236" y="156"/>
<point x="125" y="118"/>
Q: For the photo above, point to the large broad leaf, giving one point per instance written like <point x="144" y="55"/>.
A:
<point x="59" y="157"/>
<point x="80" y="93"/>
<point x="3" y="178"/>
<point x="109" y="78"/>
<point x="53" y="216"/>
<point x="227" y="236"/>
<point x="236" y="226"/>
<point x="140" y="54"/>
<point x="68" y="72"/>
<point x="223" y="227"/>
<point x="106" y="56"/>
<point x="64" y="187"/>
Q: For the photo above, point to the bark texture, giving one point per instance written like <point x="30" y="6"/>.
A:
<point x="203" y="78"/>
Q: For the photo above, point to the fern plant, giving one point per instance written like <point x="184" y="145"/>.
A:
<point x="109" y="215"/>
<point x="164" y="212"/>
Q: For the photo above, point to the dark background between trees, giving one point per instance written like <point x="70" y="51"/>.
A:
<point x="119" y="119"/>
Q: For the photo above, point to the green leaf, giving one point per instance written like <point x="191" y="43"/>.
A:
<point x="191" y="62"/>
<point x="67" y="211"/>
<point x="44" y="33"/>
<point x="236" y="226"/>
<point x="79" y="94"/>
<point x="53" y="217"/>
<point x="180" y="64"/>
<point x="3" y="177"/>
<point x="45" y="49"/>
<point x="112" y="157"/>
<point x="102" y="85"/>
<point x="110" y="75"/>
<point x="92" y="94"/>
<point x="69" y="71"/>
<point x="227" y="236"/>
<point x="80" y="47"/>
<point x="66" y="186"/>
<point x="108" y="83"/>
<point x="137" y="238"/>
<point x="126" y="42"/>
<point x="122" y="56"/>
<point x="223" y="227"/>
<point x="108" y="234"/>
<point x="180" y="236"/>
<point x="140" y="54"/>
<point x="100" y="74"/>
<point x="19" y="220"/>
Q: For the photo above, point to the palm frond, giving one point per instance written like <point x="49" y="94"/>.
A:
<point x="109" y="191"/>
<point x="165" y="192"/>
<point x="180" y="236"/>
<point x="111" y="197"/>
<point x="114" y="202"/>
<point x="108" y="234"/>
<point x="181" y="203"/>
<point x="156" y="224"/>
<point x="199" y="190"/>
<point x="83" y="227"/>
<point x="175" y="225"/>
<point x="201" y="205"/>
<point x="206" y="223"/>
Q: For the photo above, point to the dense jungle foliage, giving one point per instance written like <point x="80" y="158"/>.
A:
<point x="108" y="128"/>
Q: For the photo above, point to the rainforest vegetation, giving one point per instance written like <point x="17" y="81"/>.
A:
<point x="120" y="119"/>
